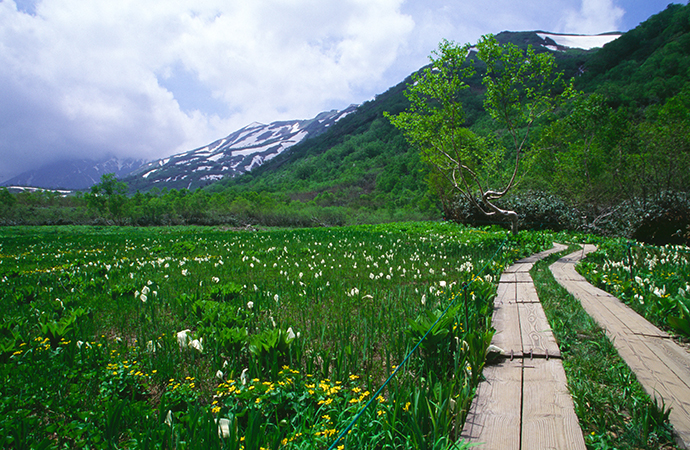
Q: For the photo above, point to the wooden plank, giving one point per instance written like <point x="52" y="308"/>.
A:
<point x="523" y="277"/>
<point x="541" y="255"/>
<point x="630" y="319"/>
<point x="597" y="301"/>
<point x="519" y="267"/>
<point x="673" y="356"/>
<point x="505" y="294"/>
<point x="508" y="277"/>
<point x="598" y="311"/>
<point x="653" y="374"/>
<point x="506" y="321"/>
<point x="537" y="337"/>
<point x="661" y="367"/>
<point x="548" y="417"/>
<point x="526" y="293"/>
<point x="494" y="417"/>
<point x="658" y="381"/>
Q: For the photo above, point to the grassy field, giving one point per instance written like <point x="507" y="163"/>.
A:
<point x="205" y="338"/>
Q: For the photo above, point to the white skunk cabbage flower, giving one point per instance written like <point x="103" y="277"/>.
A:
<point x="224" y="427"/>
<point x="183" y="338"/>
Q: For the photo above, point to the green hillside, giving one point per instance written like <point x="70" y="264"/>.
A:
<point x="363" y="163"/>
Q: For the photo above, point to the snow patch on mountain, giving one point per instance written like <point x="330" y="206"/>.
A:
<point x="584" y="42"/>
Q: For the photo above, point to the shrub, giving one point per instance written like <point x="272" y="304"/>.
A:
<point x="665" y="220"/>
<point x="536" y="210"/>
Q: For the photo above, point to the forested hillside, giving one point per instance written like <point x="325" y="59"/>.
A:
<point x="615" y="160"/>
<point x="618" y="154"/>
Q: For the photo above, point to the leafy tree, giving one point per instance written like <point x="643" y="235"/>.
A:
<point x="520" y="87"/>
<point x="7" y="200"/>
<point x="109" y="196"/>
<point x="577" y="157"/>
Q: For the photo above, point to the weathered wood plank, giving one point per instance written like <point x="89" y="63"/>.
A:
<point x="537" y="337"/>
<point x="523" y="277"/>
<point x="596" y="309"/>
<point x="673" y="356"/>
<point x="613" y="312"/>
<point x="661" y="367"/>
<point x="508" y="277"/>
<point x="495" y="414"/>
<point x="630" y="319"/>
<point x="506" y="321"/>
<point x="658" y="381"/>
<point x="526" y="293"/>
<point x="519" y="267"/>
<point x="505" y="294"/>
<point x="548" y="417"/>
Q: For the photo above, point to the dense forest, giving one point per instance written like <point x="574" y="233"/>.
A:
<point x="614" y="160"/>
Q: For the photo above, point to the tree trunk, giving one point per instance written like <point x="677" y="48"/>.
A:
<point x="514" y="219"/>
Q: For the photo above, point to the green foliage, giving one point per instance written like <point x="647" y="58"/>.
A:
<point x="681" y="322"/>
<point x="521" y="87"/>
<point x="62" y="329"/>
<point x="225" y="292"/>
<point x="647" y="64"/>
<point x="655" y="281"/>
<point x="152" y="347"/>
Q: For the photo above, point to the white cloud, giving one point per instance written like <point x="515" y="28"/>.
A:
<point x="83" y="79"/>
<point x="593" y="17"/>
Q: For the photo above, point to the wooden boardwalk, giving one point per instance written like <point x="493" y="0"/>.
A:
<point x="661" y="366"/>
<point x="523" y="403"/>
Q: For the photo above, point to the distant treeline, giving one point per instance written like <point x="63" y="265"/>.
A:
<point x="199" y="207"/>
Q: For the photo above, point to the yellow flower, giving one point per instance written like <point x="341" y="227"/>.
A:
<point x="407" y="406"/>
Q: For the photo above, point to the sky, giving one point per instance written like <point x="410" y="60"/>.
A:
<point x="151" y="78"/>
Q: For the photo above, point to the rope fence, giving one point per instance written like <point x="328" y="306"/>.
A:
<point x="465" y="286"/>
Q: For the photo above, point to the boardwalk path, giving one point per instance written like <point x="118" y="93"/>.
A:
<point x="661" y="366"/>
<point x="524" y="403"/>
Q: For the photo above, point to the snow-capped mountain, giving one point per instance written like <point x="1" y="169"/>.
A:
<point x="74" y="174"/>
<point x="233" y="155"/>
